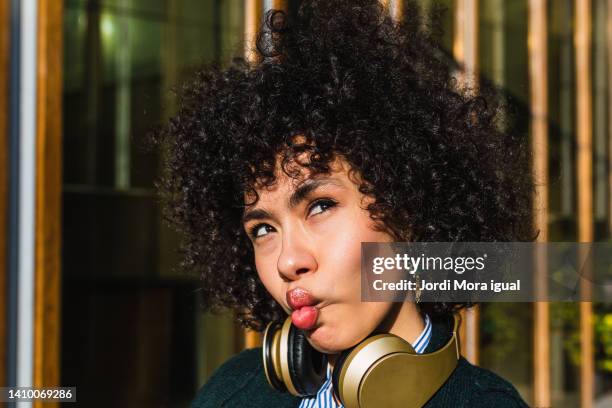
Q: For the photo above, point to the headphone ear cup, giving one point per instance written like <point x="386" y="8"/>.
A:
<point x="336" y="372"/>
<point x="268" y="357"/>
<point x="307" y="366"/>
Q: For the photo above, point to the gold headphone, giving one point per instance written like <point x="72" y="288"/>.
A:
<point x="382" y="370"/>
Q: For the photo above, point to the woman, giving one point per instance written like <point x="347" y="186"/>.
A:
<point x="349" y="130"/>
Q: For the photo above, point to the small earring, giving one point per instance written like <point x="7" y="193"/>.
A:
<point x="417" y="297"/>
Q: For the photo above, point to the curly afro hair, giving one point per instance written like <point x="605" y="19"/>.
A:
<point x="441" y="164"/>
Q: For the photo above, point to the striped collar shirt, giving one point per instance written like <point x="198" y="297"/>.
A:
<point x="324" y="398"/>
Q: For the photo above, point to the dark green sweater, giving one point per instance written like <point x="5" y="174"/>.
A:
<point x="241" y="382"/>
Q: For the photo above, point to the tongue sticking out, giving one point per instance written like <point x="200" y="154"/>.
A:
<point x="305" y="317"/>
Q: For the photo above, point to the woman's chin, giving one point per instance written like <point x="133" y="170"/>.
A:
<point x="324" y="348"/>
<point x="323" y="340"/>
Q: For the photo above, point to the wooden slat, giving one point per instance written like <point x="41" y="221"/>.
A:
<point x="582" y="41"/>
<point x="252" y="339"/>
<point x="465" y="51"/>
<point x="609" y="55"/>
<point x="462" y="332"/>
<point x="252" y="19"/>
<point x="4" y="168"/>
<point x="48" y="196"/>
<point x="498" y="46"/>
<point x="465" y="41"/>
<point x="472" y="338"/>
<point x="253" y="14"/>
<point x="279" y="4"/>
<point x="385" y="4"/>
<point x="584" y="133"/>
<point x="538" y="80"/>
<point x="396" y="9"/>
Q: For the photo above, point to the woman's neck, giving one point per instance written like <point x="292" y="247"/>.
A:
<point x="403" y="320"/>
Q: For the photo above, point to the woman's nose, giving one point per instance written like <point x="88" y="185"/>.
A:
<point x="296" y="257"/>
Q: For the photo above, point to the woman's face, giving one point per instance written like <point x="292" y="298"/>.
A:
<point x="307" y="235"/>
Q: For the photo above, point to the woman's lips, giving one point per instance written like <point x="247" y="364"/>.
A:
<point x="298" y="297"/>
<point x="304" y="314"/>
<point x="305" y="317"/>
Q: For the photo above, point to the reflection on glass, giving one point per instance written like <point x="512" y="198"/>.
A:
<point x="131" y="322"/>
<point x="506" y="345"/>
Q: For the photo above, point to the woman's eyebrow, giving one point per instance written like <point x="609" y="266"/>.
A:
<point x="299" y="195"/>
<point x="307" y="187"/>
<point x="257" y="214"/>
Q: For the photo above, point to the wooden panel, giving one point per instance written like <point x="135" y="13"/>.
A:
<point x="584" y="133"/>
<point x="465" y="41"/>
<point x="252" y="339"/>
<point x="252" y="19"/>
<point x="465" y="51"/>
<point x="279" y="4"/>
<point x="253" y="14"/>
<point x="609" y="55"/>
<point x="395" y="8"/>
<point x="48" y="196"/>
<point x="538" y="80"/>
<point x="470" y="348"/>
<point x="4" y="167"/>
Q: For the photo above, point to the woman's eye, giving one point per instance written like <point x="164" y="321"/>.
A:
<point x="321" y="206"/>
<point x="260" y="230"/>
